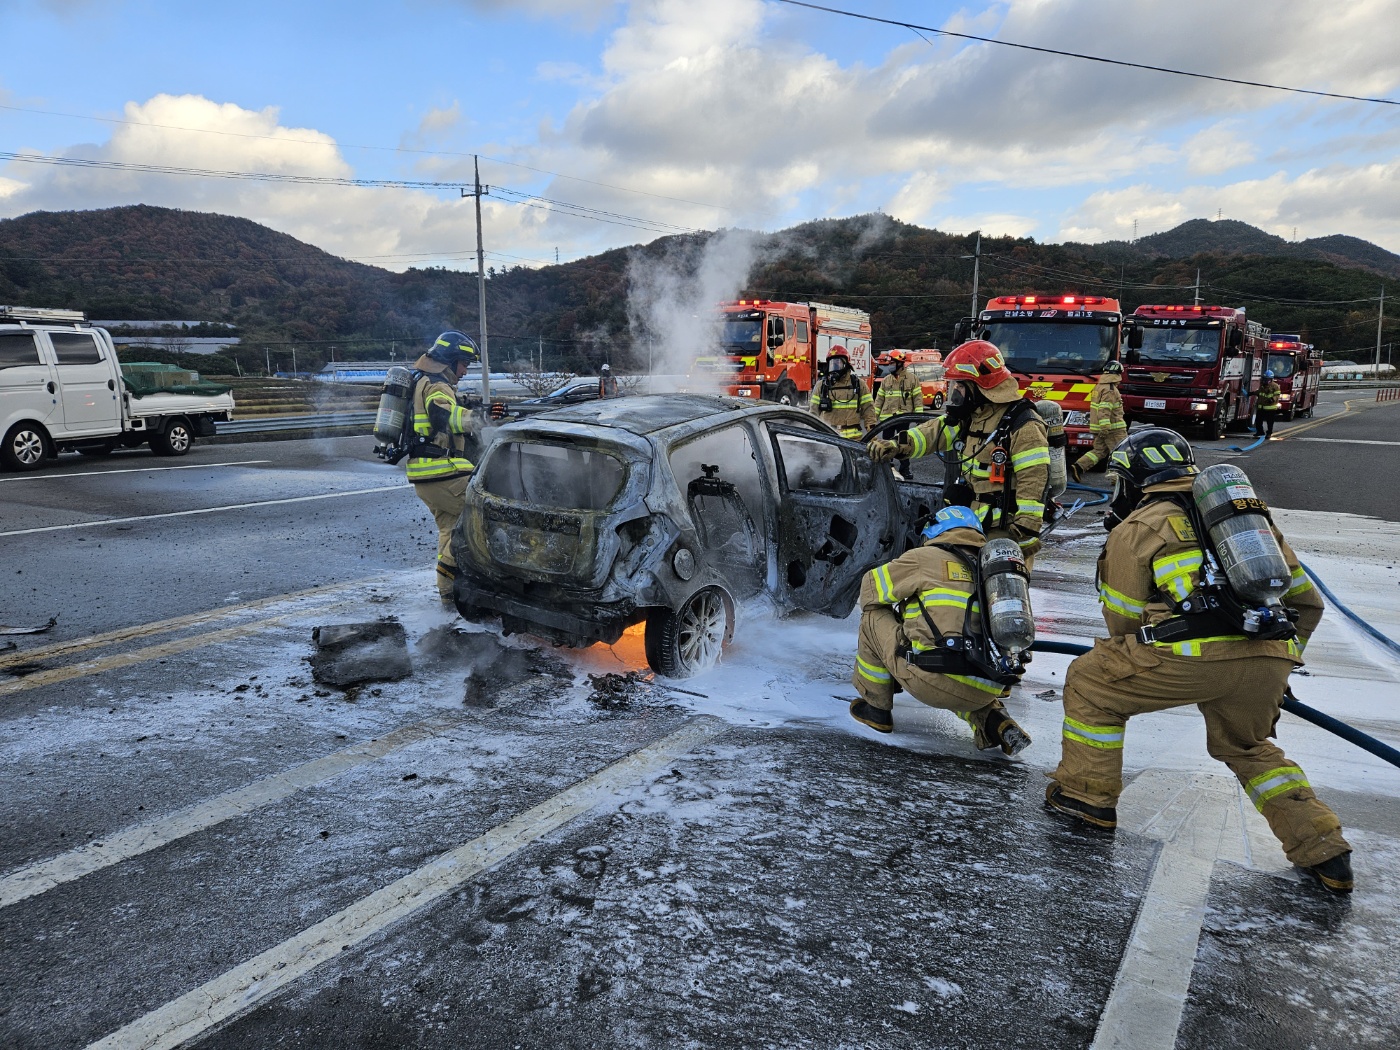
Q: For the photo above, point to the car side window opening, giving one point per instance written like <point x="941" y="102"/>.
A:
<point x="719" y="474"/>
<point x="75" y="348"/>
<point x="558" y="476"/>
<point x="17" y="349"/>
<point x="808" y="465"/>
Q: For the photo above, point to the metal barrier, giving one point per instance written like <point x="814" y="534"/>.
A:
<point x="1388" y="393"/>
<point x="318" y="421"/>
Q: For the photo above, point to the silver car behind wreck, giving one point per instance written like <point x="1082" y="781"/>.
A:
<point x="669" y="510"/>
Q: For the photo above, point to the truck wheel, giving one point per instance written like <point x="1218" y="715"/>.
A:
<point x="25" y="447"/>
<point x="937" y="403"/>
<point x="1215" y="426"/>
<point x="174" y="440"/>
<point x="786" y="394"/>
<point x="687" y="642"/>
<point x="1288" y="416"/>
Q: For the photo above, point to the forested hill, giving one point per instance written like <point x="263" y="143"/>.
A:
<point x="147" y="263"/>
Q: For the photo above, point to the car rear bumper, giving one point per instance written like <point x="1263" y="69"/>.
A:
<point x="573" y="620"/>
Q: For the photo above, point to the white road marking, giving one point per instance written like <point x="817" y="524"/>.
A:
<point x="1348" y="441"/>
<point x="1144" y="1009"/>
<point x="136" y="470"/>
<point x="203" y="510"/>
<point x="43" y="876"/>
<point x="245" y="986"/>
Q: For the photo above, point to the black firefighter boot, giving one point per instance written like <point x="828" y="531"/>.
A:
<point x="993" y="727"/>
<point x="1334" y="873"/>
<point x="874" y="717"/>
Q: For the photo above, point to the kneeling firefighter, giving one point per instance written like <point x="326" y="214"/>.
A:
<point x="922" y="629"/>
<point x="437" y="460"/>
<point x="994" y="446"/>
<point x="1193" y="579"/>
<point x="841" y="400"/>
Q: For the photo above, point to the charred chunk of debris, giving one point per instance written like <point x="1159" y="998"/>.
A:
<point x="348" y="653"/>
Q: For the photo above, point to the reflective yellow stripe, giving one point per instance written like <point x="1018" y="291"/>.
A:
<point x="884" y="586"/>
<point x="937" y="596"/>
<point x="1275" y="782"/>
<point x="429" y="469"/>
<point x="1029" y="506"/>
<point x="1193" y="647"/>
<point x="1031" y="457"/>
<point x="1176" y="574"/>
<point x="978" y="683"/>
<point x="1120" y="603"/>
<point x="1107" y="738"/>
<point x="918" y="444"/>
<point x="872" y="672"/>
<point x="1301" y="583"/>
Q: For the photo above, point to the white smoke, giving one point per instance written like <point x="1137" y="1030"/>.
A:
<point x="673" y="287"/>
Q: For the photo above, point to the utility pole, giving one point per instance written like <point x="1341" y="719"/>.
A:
<point x="267" y="357"/>
<point x="476" y="192"/>
<point x="976" y="258"/>
<point x="1380" y="320"/>
<point x="541" y="353"/>
<point x="1197" y="300"/>
<point x="294" y="362"/>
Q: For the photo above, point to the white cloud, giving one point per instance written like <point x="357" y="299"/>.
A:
<point x="1217" y="149"/>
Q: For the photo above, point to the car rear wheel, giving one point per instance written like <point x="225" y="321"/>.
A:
<point x="174" y="440"/>
<point x="689" y="641"/>
<point x="24" y="447"/>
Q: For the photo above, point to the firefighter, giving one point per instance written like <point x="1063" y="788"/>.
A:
<point x="437" y="464"/>
<point x="994" y="446"/>
<point x="900" y="393"/>
<point x="607" y="382"/>
<point x="1106" y="422"/>
<point x="902" y="604"/>
<point x="1148" y="576"/>
<point x="1267" y="413"/>
<point x="842" y="402"/>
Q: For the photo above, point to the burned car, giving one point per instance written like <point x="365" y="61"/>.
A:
<point x="668" y="510"/>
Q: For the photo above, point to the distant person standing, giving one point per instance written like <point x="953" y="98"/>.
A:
<point x="607" y="382"/>
<point x="1106" y="422"/>
<point x="841" y="400"/>
<point x="1267" y="413"/>
<point x="437" y="463"/>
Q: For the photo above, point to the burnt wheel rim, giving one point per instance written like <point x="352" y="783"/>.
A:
<point x="701" y="631"/>
<point x="179" y="438"/>
<point x="28" y="447"/>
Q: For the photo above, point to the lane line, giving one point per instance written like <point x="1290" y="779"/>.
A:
<point x="1144" y="1008"/>
<point x="136" y="656"/>
<point x="1291" y="432"/>
<point x="42" y="876"/>
<point x="203" y="510"/>
<point x="135" y="470"/>
<point x="1349" y="441"/>
<point x="251" y="983"/>
<point x="46" y="652"/>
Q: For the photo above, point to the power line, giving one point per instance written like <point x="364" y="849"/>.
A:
<point x="348" y="145"/>
<point x="1089" y="58"/>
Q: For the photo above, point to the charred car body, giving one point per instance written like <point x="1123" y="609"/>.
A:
<point x="668" y="510"/>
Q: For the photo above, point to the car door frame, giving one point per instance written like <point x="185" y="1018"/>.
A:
<point x="32" y="395"/>
<point x="87" y="391"/>
<point x="840" y="520"/>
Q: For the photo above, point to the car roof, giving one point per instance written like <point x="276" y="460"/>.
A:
<point x="646" y="414"/>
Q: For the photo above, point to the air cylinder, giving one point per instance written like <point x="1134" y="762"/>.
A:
<point x="393" y="404"/>
<point x="1006" y="583"/>
<point x="1054" y="417"/>
<point x="1234" y="517"/>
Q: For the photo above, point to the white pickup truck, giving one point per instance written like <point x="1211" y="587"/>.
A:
<point x="61" y="388"/>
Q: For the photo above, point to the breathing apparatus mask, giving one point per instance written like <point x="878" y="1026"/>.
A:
<point x="884" y="370"/>
<point x="962" y="400"/>
<point x="836" y="367"/>
<point x="1124" y="500"/>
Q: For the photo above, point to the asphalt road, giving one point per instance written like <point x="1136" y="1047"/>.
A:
<point x="202" y="843"/>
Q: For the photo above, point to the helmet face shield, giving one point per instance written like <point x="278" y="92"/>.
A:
<point x="1122" y="502"/>
<point x="957" y="395"/>
<point x="838" y="364"/>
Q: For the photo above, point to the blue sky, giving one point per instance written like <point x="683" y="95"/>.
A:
<point x="679" y="114"/>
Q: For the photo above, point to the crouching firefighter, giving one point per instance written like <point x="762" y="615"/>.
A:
<point x="1193" y="580"/>
<point x="994" y="446"/>
<point x="922" y="630"/>
<point x="437" y="458"/>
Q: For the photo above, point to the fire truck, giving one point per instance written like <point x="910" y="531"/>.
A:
<point x="1194" y="366"/>
<point x="1297" y="367"/>
<point x="1055" y="345"/>
<point x="777" y="351"/>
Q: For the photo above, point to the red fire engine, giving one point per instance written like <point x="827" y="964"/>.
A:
<point x="777" y="351"/>
<point x="1195" y="365"/>
<point x="1055" y="345"/>
<point x="1297" y="367"/>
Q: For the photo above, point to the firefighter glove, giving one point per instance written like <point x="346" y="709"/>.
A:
<point x="882" y="451"/>
<point x="1029" y="541"/>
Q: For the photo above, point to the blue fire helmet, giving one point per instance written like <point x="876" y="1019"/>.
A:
<point x="951" y="518"/>
<point x="453" y="348"/>
<point x="1269" y="374"/>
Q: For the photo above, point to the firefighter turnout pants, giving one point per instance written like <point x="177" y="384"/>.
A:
<point x="1104" y="443"/>
<point x="880" y="673"/>
<point x="1239" y="699"/>
<point x="445" y="499"/>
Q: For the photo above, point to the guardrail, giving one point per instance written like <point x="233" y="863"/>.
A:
<point x="317" y="421"/>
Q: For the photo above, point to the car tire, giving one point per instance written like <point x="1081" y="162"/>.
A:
<point x="25" y="447"/>
<point x="786" y="394"/>
<point x="689" y="641"/>
<point x="174" y="440"/>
